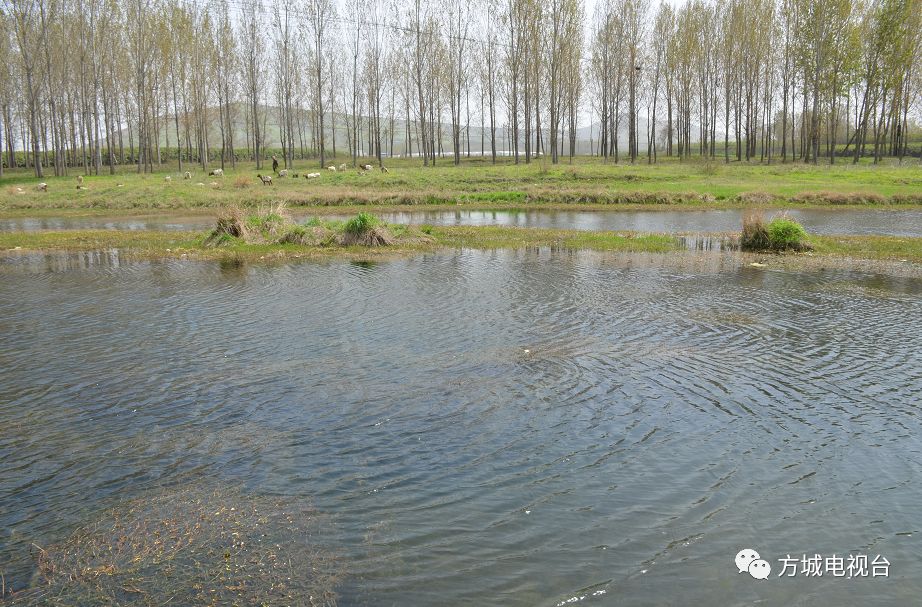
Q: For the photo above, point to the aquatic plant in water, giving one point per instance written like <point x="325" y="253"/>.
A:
<point x="191" y="547"/>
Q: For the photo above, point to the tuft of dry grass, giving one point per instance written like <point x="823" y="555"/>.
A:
<point x="755" y="231"/>
<point x="757" y="197"/>
<point x="375" y="236"/>
<point x="242" y="182"/>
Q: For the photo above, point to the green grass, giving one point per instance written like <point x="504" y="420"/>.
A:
<point x="784" y="233"/>
<point x="588" y="183"/>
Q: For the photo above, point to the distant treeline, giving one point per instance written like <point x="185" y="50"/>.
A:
<point x="97" y="83"/>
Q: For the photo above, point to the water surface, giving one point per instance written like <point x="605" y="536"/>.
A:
<point x="484" y="428"/>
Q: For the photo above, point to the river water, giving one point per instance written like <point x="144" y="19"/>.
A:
<point x="484" y="428"/>
<point x="901" y="222"/>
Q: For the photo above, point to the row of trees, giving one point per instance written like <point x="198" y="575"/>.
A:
<point x="95" y="83"/>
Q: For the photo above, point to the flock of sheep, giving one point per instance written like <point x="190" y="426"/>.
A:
<point x="265" y="179"/>
<point x="363" y="169"/>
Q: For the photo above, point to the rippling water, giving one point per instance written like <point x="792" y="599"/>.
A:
<point x="496" y="428"/>
<point x="820" y="221"/>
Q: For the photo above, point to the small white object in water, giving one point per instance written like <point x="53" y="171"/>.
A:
<point x="528" y="512"/>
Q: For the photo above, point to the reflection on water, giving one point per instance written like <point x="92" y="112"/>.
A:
<point x="820" y="221"/>
<point x="509" y="427"/>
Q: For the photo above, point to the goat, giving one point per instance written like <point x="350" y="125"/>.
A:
<point x="43" y="187"/>
<point x="187" y="175"/>
<point x="283" y="173"/>
<point x="266" y="179"/>
<point x="216" y="173"/>
<point x="168" y="179"/>
<point x="342" y="167"/>
<point x="313" y="175"/>
<point x="331" y="168"/>
<point x="367" y="167"/>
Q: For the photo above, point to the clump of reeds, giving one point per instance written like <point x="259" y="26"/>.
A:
<point x="242" y="181"/>
<point x="781" y="233"/>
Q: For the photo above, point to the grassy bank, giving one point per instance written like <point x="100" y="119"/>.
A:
<point x="588" y="183"/>
<point x="155" y="244"/>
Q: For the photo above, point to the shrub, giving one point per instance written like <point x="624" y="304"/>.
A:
<point x="242" y="181"/>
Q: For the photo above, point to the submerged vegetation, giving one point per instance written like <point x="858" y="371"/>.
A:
<point x="781" y="233"/>
<point x="190" y="547"/>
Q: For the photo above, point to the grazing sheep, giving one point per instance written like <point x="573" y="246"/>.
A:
<point x="283" y="173"/>
<point x="216" y="173"/>
<point x="187" y="175"/>
<point x="79" y="181"/>
<point x="43" y="187"/>
<point x="313" y="175"/>
<point x="168" y="179"/>
<point x="384" y="169"/>
<point x="367" y="167"/>
<point x="331" y="168"/>
<point x="342" y="167"/>
<point x="266" y="179"/>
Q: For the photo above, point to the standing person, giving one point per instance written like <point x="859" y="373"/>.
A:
<point x="275" y="164"/>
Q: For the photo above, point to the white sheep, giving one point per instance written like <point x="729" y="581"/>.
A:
<point x="331" y="168"/>
<point x="283" y="173"/>
<point x="79" y="180"/>
<point x="168" y="179"/>
<point x="187" y="175"/>
<point x="313" y="175"/>
<point x="216" y="173"/>
<point x="367" y="167"/>
<point x="342" y="167"/>
<point x="43" y="187"/>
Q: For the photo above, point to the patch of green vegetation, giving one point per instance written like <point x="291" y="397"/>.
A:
<point x="361" y="223"/>
<point x="785" y="233"/>
<point x="781" y="233"/>
<point x="587" y="181"/>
